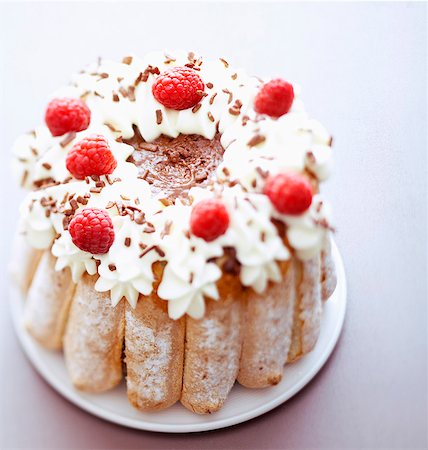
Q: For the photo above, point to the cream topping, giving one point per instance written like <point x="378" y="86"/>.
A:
<point x="146" y="231"/>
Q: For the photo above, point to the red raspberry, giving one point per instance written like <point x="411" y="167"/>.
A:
<point x="91" y="156"/>
<point x="209" y="219"/>
<point x="178" y="88"/>
<point x="290" y="193"/>
<point x="92" y="231"/>
<point x="274" y="98"/>
<point x="64" y="115"/>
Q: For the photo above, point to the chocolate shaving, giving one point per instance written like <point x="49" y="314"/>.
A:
<point x="256" y="140"/>
<point x="209" y="85"/>
<point x="261" y="172"/>
<point x="159" y="251"/>
<point x="82" y="200"/>
<point x="116" y="98"/>
<point x="201" y="93"/>
<point x="230" y="94"/>
<point x="149" y="228"/>
<point x="112" y="267"/>
<point x="97" y="94"/>
<point x="196" y="107"/>
<point x="110" y="126"/>
<point x="234" y="76"/>
<point x="226" y="64"/>
<point x="127" y="60"/>
<point x="149" y="70"/>
<point x="95" y="190"/>
<point x="165" y="201"/>
<point x="131" y="93"/>
<point x="123" y="91"/>
<point x="210" y="116"/>
<point x="66" y="222"/>
<point x="127" y="242"/>
<point x="139" y="218"/>
<point x="69" y="138"/>
<point x="158" y="116"/>
<point x="148" y="146"/>
<point x="143" y="176"/>
<point x="138" y="79"/>
<point x="212" y="98"/>
<point x="47" y="166"/>
<point x="169" y="59"/>
<point x="147" y="250"/>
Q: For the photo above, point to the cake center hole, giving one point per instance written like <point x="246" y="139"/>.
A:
<point x="174" y="165"/>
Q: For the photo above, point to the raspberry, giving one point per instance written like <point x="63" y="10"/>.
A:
<point x="64" y="115"/>
<point x="289" y="193"/>
<point x="274" y="98"/>
<point x="91" y="156"/>
<point x="178" y="88"/>
<point x="92" y="231"/>
<point x="209" y="219"/>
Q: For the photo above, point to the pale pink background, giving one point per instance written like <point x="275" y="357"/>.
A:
<point x="363" y="72"/>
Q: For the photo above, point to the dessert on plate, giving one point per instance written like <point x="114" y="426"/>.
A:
<point x="174" y="234"/>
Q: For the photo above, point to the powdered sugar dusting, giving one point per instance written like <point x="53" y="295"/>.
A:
<point x="151" y="355"/>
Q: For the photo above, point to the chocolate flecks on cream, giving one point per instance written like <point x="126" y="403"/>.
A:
<point x="174" y="165"/>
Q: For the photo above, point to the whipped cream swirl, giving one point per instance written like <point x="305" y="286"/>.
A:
<point x="119" y="95"/>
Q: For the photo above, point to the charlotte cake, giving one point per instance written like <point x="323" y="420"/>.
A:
<point x="174" y="230"/>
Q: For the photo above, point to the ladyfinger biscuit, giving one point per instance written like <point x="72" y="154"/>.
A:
<point x="328" y="272"/>
<point x="154" y="349"/>
<point x="93" y="338"/>
<point x="212" y="350"/>
<point x="24" y="263"/>
<point x="267" y="331"/>
<point x="307" y="309"/>
<point x="48" y="302"/>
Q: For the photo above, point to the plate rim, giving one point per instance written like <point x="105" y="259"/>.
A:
<point x="78" y="399"/>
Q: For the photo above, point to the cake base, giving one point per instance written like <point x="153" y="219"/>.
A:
<point x="242" y="404"/>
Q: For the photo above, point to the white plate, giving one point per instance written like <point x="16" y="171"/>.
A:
<point x="242" y="404"/>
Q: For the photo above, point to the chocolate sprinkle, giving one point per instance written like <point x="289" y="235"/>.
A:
<point x="196" y="107"/>
<point x="67" y="139"/>
<point x="158" y="116"/>
<point x="256" y="140"/>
